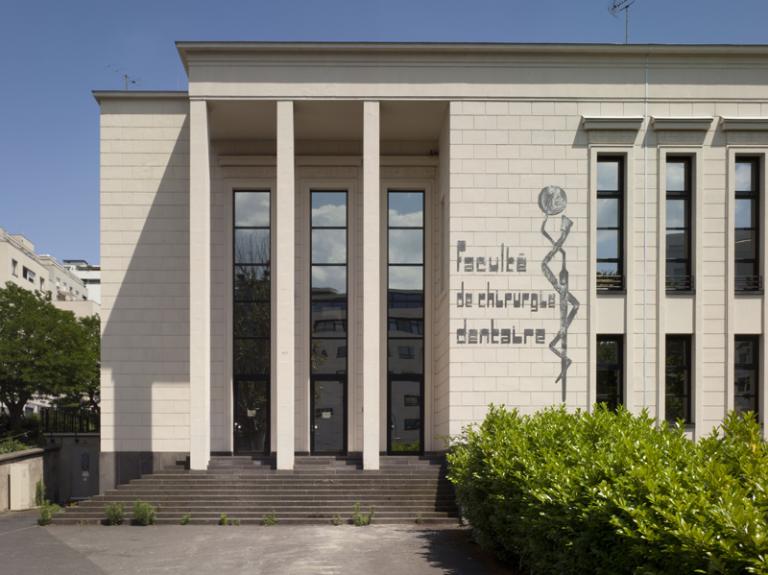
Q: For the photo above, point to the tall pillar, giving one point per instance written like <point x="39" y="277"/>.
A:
<point x="371" y="286"/>
<point x="284" y="298"/>
<point x="199" y="286"/>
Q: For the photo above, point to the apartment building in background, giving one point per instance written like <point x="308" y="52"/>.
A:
<point x="19" y="264"/>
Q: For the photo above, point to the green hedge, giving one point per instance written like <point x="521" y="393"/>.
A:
<point x="610" y="493"/>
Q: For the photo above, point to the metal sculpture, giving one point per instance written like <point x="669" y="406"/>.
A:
<point x="553" y="201"/>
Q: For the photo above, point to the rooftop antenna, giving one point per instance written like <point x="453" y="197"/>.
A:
<point x="128" y="81"/>
<point x="622" y="6"/>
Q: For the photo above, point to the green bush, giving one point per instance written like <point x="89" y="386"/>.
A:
<point x="360" y="519"/>
<point x="223" y="519"/>
<point x="185" y="519"/>
<point x="12" y="445"/>
<point x="269" y="519"/>
<point x="47" y="511"/>
<point x="143" y="513"/>
<point x="611" y="493"/>
<point x="39" y="493"/>
<point x="114" y="513"/>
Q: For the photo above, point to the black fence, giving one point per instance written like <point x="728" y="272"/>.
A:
<point x="65" y="421"/>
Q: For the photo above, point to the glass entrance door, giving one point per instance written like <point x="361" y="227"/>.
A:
<point x="405" y="415"/>
<point x="327" y="415"/>
<point x="251" y="416"/>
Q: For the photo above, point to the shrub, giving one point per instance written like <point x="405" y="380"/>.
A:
<point x="223" y="519"/>
<point x="610" y="493"/>
<point x="143" y="513"/>
<point x="185" y="519"/>
<point x="337" y="520"/>
<point x="47" y="511"/>
<point x="12" y="445"/>
<point x="360" y="519"/>
<point x="114" y="513"/>
<point x="39" y="493"/>
<point x="269" y="519"/>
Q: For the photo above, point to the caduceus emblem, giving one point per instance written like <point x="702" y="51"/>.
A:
<point x="553" y="201"/>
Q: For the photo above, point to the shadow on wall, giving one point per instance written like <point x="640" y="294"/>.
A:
<point x="145" y="330"/>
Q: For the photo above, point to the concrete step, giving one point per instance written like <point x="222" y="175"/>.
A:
<point x="406" y="490"/>
<point x="65" y="519"/>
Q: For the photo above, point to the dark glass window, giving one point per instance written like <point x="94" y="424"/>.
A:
<point x="747" y="373"/>
<point x="747" y="216"/>
<point x="610" y="370"/>
<point x="405" y="320"/>
<point x="251" y="314"/>
<point x="328" y="320"/>
<point x="678" y="237"/>
<point x="678" y="378"/>
<point x="610" y="223"/>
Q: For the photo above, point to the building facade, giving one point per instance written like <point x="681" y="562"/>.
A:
<point x="89" y="274"/>
<point x="357" y="248"/>
<point x="44" y="273"/>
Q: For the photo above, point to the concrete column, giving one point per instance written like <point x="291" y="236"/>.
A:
<point x="372" y="340"/>
<point x="199" y="286"/>
<point x="284" y="298"/>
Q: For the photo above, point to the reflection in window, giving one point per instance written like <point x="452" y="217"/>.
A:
<point x="678" y="378"/>
<point x="610" y="370"/>
<point x="746" y="381"/>
<point x="328" y="319"/>
<point x="678" y="237"/>
<point x="610" y="219"/>
<point x="405" y="319"/>
<point x="747" y="225"/>
<point x="251" y="320"/>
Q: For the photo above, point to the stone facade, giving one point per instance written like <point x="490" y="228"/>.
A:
<point x="481" y="130"/>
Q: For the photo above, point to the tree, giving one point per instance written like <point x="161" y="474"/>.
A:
<point x="84" y="395"/>
<point x="43" y="350"/>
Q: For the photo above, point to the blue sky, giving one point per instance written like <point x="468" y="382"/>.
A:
<point x="53" y="53"/>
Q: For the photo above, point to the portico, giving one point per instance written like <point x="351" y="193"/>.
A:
<point x="305" y="159"/>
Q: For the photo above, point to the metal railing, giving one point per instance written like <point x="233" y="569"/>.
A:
<point x="680" y="283"/>
<point x="608" y="283"/>
<point x="749" y="284"/>
<point x="66" y="421"/>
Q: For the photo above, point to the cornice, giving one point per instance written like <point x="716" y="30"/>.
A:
<point x="102" y="95"/>
<point x="681" y="123"/>
<point x="744" y="124"/>
<point x="611" y="123"/>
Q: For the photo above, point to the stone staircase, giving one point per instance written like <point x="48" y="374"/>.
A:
<point x="320" y="490"/>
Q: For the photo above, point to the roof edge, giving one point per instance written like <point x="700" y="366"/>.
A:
<point x="101" y="95"/>
<point x="185" y="48"/>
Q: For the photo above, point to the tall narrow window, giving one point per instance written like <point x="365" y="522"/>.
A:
<point x="610" y="223"/>
<point x="610" y="370"/>
<point x="678" y="237"/>
<point x="678" y="379"/>
<point x="405" y="321"/>
<point x="746" y="382"/>
<point x="252" y="320"/>
<point x="747" y="225"/>
<point x="328" y="334"/>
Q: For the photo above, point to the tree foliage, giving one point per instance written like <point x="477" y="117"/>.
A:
<point x="43" y="351"/>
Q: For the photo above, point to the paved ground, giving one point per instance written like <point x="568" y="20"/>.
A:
<point x="377" y="549"/>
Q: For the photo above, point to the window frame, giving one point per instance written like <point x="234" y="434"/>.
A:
<point x="390" y="320"/>
<point x="754" y="340"/>
<point x="618" y="367"/>
<point x="688" y="383"/>
<point x="320" y="377"/>
<point x="262" y="377"/>
<point x="684" y="283"/>
<point x="753" y="282"/>
<point x="609" y="283"/>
